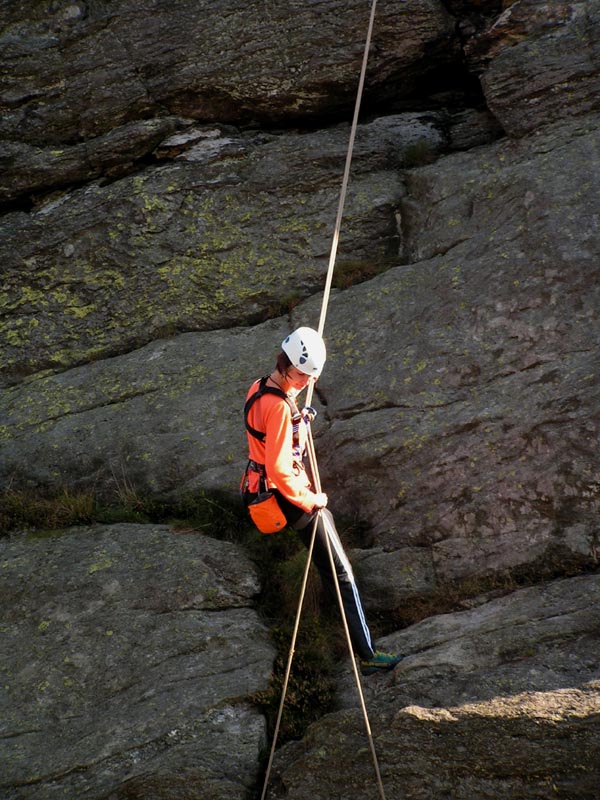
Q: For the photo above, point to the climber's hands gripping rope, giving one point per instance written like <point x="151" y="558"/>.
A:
<point x="321" y="500"/>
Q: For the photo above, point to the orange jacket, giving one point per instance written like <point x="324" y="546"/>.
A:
<point x="272" y="415"/>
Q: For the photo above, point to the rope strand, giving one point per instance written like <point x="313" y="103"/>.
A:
<point x="312" y="457"/>
<point x="344" y="189"/>
<point x="292" y="650"/>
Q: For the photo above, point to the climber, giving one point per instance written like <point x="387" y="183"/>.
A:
<point x="277" y="435"/>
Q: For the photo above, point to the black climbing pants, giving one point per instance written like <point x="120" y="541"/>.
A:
<point x="355" y="617"/>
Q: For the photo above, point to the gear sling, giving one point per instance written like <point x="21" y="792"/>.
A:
<point x="264" y="508"/>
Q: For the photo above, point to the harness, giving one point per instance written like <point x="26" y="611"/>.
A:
<point x="296" y="419"/>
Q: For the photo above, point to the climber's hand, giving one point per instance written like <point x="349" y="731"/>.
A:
<point x="321" y="500"/>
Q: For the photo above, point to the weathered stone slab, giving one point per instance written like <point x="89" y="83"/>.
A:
<point x="540" y="63"/>
<point x="128" y="652"/>
<point x="231" y="231"/>
<point x="501" y="701"/>
<point x="74" y="72"/>
<point x="164" y="419"/>
<point x="462" y="395"/>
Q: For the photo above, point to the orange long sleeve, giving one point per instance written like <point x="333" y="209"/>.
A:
<point x="272" y="415"/>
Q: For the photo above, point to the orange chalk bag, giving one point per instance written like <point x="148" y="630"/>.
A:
<point x="266" y="514"/>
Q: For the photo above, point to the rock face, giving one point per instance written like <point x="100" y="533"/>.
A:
<point x="170" y="179"/>
<point x="464" y="387"/>
<point x="128" y="652"/>
<point x="77" y="72"/>
<point x="501" y="701"/>
<point x="175" y="244"/>
<point x="540" y="63"/>
<point x="479" y="424"/>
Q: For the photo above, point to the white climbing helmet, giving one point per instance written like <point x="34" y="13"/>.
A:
<point x="306" y="350"/>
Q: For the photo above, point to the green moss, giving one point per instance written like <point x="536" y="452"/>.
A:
<point x="311" y="688"/>
<point x="220" y="268"/>
<point x="104" y="563"/>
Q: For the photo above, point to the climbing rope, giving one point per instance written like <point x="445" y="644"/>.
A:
<point x="313" y="458"/>
<point x="292" y="650"/>
<point x="344" y="189"/>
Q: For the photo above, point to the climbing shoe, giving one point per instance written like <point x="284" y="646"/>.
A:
<point x="379" y="662"/>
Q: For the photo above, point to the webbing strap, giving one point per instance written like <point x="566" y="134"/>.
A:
<point x="264" y="389"/>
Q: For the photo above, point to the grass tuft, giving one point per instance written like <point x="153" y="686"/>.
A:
<point x="29" y="510"/>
